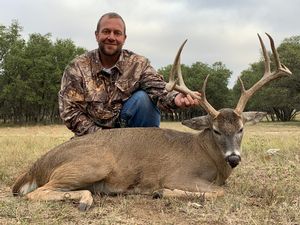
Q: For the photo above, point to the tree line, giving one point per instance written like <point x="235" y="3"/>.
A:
<point x="30" y="75"/>
<point x="31" y="71"/>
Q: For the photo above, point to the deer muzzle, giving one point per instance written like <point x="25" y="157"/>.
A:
<point x="233" y="160"/>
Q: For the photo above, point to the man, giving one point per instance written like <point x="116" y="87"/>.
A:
<point x="112" y="87"/>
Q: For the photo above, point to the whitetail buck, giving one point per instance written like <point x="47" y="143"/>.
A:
<point x="149" y="160"/>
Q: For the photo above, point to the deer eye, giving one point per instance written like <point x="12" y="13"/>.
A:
<point x="241" y="130"/>
<point x="216" y="132"/>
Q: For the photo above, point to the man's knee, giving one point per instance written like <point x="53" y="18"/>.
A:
<point x="139" y="110"/>
<point x="141" y="98"/>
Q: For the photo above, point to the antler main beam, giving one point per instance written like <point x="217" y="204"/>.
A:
<point x="281" y="71"/>
<point x="182" y="88"/>
<point x="176" y="72"/>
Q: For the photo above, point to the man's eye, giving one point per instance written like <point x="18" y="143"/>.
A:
<point x="105" y="32"/>
<point x="118" y="33"/>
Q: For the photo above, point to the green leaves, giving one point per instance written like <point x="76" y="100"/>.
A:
<point x="30" y="74"/>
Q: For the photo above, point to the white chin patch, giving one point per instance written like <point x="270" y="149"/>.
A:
<point x="235" y="152"/>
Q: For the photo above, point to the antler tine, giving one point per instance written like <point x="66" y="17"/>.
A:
<point x="178" y="66"/>
<point x="281" y="71"/>
<point x="279" y="65"/>
<point x="265" y="54"/>
<point x="205" y="104"/>
<point x="275" y="53"/>
<point x="176" y="70"/>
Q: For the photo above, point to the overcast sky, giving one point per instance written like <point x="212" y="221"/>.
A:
<point x="217" y="30"/>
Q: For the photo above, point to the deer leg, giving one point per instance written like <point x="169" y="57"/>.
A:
<point x="183" y="187"/>
<point x="176" y="193"/>
<point x="67" y="181"/>
<point x="47" y="193"/>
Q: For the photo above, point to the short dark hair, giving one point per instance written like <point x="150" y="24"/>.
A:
<point x="110" y="15"/>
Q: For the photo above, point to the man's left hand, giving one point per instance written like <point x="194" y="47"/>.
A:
<point x="184" y="101"/>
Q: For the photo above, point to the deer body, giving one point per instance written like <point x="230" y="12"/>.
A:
<point x="150" y="160"/>
<point x="136" y="160"/>
<point x="139" y="160"/>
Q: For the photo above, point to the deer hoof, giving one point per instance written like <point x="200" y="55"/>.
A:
<point x="83" y="207"/>
<point x="157" y="194"/>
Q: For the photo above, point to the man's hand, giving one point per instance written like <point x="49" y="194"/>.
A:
<point x="183" y="101"/>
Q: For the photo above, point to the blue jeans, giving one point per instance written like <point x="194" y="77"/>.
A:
<point x="139" y="111"/>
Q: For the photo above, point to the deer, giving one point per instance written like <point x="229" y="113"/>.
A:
<point x="150" y="161"/>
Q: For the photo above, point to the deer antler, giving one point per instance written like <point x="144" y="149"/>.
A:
<point x="281" y="71"/>
<point x="182" y="88"/>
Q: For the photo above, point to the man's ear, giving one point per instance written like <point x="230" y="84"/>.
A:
<point x="197" y="123"/>
<point x="253" y="117"/>
<point x="96" y="35"/>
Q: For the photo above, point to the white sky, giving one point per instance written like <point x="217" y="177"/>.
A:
<point x="217" y="30"/>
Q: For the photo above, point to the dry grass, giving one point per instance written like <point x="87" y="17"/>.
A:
<point x="264" y="189"/>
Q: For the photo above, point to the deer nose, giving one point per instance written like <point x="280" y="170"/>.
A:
<point x="233" y="160"/>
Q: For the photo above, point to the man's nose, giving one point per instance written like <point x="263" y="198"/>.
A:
<point x="111" y="36"/>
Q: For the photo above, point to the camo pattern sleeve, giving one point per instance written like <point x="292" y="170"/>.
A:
<point x="72" y="105"/>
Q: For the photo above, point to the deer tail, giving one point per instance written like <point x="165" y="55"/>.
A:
<point x="24" y="184"/>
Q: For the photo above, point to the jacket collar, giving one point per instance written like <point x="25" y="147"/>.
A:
<point x="97" y="67"/>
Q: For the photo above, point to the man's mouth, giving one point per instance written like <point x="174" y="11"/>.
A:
<point x="110" y="44"/>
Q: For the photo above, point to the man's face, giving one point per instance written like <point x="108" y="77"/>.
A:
<point x="110" y="36"/>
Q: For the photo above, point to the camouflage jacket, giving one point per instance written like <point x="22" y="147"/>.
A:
<point x="90" y="98"/>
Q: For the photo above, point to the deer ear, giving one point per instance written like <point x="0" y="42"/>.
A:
<point x="253" y="117"/>
<point x="197" y="123"/>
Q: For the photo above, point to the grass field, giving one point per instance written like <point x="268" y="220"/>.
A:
<point x="263" y="189"/>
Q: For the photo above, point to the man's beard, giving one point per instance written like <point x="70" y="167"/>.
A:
<point x="104" y="52"/>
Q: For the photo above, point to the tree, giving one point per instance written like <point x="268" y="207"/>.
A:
<point x="30" y="75"/>
<point x="289" y="51"/>
<point x="8" y="37"/>
<point x="12" y="70"/>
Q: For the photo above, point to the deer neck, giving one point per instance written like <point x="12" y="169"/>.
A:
<point x="215" y="155"/>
